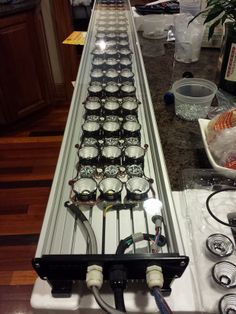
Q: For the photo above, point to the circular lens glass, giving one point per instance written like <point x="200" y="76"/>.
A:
<point x="98" y="61"/>
<point x="123" y="43"/>
<point x="94" y="88"/>
<point x="227" y="304"/>
<point x="111" y="62"/>
<point x="111" y="152"/>
<point x="84" y="186"/>
<point x="131" y="126"/>
<point x="88" y="152"/>
<point x="112" y="88"/>
<point x="110" y="186"/>
<point x="125" y="51"/>
<point x="92" y="105"/>
<point x="219" y="245"/>
<point x="111" y="35"/>
<point x="96" y="74"/>
<point x="127" y="74"/>
<point x="112" y="74"/>
<point x="125" y="62"/>
<point x="100" y="35"/>
<point x="110" y="43"/>
<point x="111" y="52"/>
<point x="97" y="52"/>
<point x="138" y="186"/>
<point x="129" y="105"/>
<point x="111" y="126"/>
<point x="90" y="126"/>
<point x="134" y="152"/>
<point x="111" y="105"/>
<point x="224" y="273"/>
<point x="128" y="88"/>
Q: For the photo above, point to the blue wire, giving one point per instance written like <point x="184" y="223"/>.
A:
<point x="159" y="301"/>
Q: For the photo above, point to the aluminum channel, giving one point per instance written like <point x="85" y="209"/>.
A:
<point x="60" y="234"/>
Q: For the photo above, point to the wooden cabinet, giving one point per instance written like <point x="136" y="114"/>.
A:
<point x="26" y="83"/>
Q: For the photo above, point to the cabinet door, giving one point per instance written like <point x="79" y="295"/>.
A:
<point x="25" y="81"/>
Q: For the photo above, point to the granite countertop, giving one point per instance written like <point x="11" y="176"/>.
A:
<point x="15" y="8"/>
<point x="181" y="140"/>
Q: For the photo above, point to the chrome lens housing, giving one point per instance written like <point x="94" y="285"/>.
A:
<point x="110" y="188"/>
<point x="88" y="155"/>
<point x="111" y="129"/>
<point x="219" y="245"/>
<point x="227" y="304"/>
<point x="137" y="188"/>
<point x="91" y="129"/>
<point x="85" y="189"/>
<point x="224" y="274"/>
<point x="131" y="129"/>
<point x="134" y="155"/>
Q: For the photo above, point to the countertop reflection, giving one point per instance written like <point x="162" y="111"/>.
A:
<point x="181" y="140"/>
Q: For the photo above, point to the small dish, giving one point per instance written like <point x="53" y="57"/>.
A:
<point x="222" y="170"/>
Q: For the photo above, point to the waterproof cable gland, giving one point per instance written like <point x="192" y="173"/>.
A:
<point x="154" y="276"/>
<point x="94" y="276"/>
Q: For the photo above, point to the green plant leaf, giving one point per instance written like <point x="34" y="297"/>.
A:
<point x="212" y="28"/>
<point x="213" y="13"/>
<point x="223" y="18"/>
<point x="200" y="13"/>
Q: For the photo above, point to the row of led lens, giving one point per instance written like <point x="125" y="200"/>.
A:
<point x="110" y="152"/>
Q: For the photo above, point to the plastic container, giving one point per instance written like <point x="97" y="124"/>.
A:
<point x="188" y="37"/>
<point x="190" y="6"/>
<point x="154" y="26"/>
<point x="153" y="37"/>
<point x="193" y="97"/>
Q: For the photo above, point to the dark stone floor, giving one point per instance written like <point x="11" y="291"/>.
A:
<point x="181" y="140"/>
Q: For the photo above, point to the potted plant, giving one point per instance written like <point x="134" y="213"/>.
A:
<point x="224" y="12"/>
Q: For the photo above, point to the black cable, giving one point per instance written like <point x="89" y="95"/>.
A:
<point x="118" y="273"/>
<point x="76" y="211"/>
<point x="123" y="245"/>
<point x="119" y="299"/>
<point x="118" y="280"/>
<point x="127" y="242"/>
<point x="211" y="213"/>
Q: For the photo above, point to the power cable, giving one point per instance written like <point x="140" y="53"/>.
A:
<point x="211" y="213"/>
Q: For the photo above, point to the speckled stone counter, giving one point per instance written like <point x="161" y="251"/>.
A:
<point x="21" y="6"/>
<point x="181" y="140"/>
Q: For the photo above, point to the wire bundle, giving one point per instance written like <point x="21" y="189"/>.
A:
<point x="119" y="273"/>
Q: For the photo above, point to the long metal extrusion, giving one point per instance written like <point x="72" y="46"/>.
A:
<point x="110" y="163"/>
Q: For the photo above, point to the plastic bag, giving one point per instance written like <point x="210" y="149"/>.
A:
<point x="221" y="138"/>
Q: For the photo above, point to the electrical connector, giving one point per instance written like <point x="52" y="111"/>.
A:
<point x="118" y="281"/>
<point x="118" y="277"/>
<point x="157" y="220"/>
<point x="154" y="276"/>
<point x="94" y="276"/>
